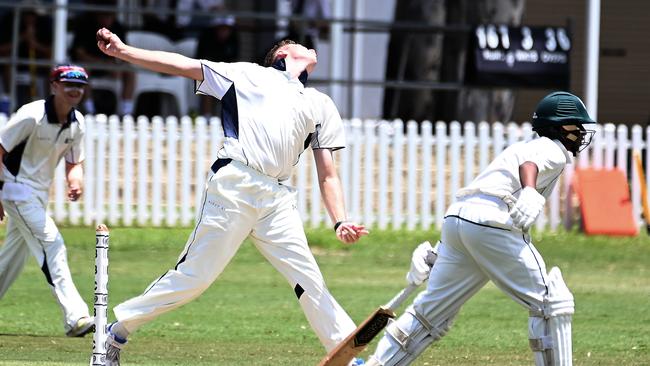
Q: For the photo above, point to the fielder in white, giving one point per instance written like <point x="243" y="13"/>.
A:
<point x="269" y="119"/>
<point x="485" y="238"/>
<point x="31" y="145"/>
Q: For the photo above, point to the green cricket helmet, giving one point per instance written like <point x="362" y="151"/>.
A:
<point x="561" y="116"/>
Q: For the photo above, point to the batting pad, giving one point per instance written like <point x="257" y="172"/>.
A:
<point x="605" y="202"/>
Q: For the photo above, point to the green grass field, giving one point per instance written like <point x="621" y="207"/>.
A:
<point x="250" y="315"/>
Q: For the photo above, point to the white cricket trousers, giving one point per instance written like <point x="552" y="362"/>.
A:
<point x="30" y="229"/>
<point x="472" y="254"/>
<point x="240" y="202"/>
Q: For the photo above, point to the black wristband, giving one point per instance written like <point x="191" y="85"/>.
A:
<point x="336" y="226"/>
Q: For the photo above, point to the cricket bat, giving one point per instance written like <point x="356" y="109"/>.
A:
<point x="358" y="340"/>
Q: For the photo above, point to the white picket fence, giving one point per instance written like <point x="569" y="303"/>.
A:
<point x="152" y="172"/>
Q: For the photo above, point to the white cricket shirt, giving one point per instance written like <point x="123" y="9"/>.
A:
<point x="501" y="177"/>
<point x="269" y="118"/>
<point x="35" y="142"/>
<point x="491" y="195"/>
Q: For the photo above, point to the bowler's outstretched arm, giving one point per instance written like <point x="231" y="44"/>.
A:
<point x="158" y="61"/>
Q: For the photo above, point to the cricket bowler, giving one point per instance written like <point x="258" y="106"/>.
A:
<point x="269" y="118"/>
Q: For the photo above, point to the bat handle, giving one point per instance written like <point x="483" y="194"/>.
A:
<point x="396" y="301"/>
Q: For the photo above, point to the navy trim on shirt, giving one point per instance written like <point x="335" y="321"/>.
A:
<point x="50" y="111"/>
<point x="13" y="158"/>
<point x="308" y="141"/>
<point x="197" y="83"/>
<point x="229" y="113"/>
<point x="281" y="65"/>
<point x="303" y="77"/>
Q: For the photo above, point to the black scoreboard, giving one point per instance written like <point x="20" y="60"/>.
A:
<point x="507" y="56"/>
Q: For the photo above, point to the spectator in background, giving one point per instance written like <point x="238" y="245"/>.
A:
<point x="185" y="20"/>
<point x="34" y="43"/>
<point x="159" y="18"/>
<point x="219" y="43"/>
<point x="84" y="50"/>
<point x="314" y="27"/>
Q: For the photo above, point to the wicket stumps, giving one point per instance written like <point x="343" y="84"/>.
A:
<point x="101" y="296"/>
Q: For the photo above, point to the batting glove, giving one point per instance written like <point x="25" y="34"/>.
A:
<point x="421" y="261"/>
<point x="529" y="205"/>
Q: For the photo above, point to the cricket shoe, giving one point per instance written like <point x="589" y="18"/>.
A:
<point x="114" y="345"/>
<point x="82" y="327"/>
<point x="357" y="362"/>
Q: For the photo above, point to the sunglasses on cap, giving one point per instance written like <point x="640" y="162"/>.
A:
<point x="69" y="74"/>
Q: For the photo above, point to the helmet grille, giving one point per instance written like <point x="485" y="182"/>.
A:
<point x="566" y="108"/>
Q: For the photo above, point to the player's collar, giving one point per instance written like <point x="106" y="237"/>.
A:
<point x="50" y="111"/>
<point x="281" y="65"/>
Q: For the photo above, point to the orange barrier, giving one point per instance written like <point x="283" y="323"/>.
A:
<point x="605" y="202"/>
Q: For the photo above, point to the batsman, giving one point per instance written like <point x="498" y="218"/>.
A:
<point x="485" y="237"/>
